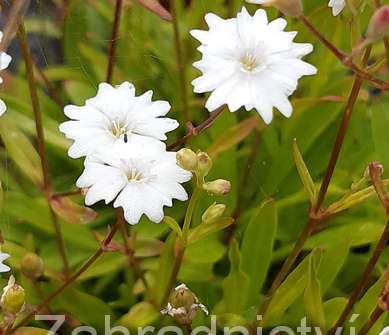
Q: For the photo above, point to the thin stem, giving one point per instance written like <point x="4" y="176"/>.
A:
<point x="341" y="133"/>
<point x="51" y="90"/>
<point x="114" y="37"/>
<point x="72" y="278"/>
<point x="47" y="186"/>
<point x="130" y="253"/>
<point x="180" y="60"/>
<point x="189" y="213"/>
<point x="195" y="131"/>
<point x="372" y="320"/>
<point x="375" y="175"/>
<point x="315" y="217"/>
<point x="344" y="58"/>
<point x="181" y="244"/>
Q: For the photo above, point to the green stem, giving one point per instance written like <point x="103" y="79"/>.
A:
<point x="189" y="214"/>
<point x="181" y="244"/>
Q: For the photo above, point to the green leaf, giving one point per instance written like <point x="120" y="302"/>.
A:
<point x="205" y="229"/>
<point x="236" y="284"/>
<point x="257" y="246"/>
<point x="140" y="315"/>
<point x="173" y="225"/>
<point x="292" y="287"/>
<point x="380" y="126"/>
<point x="72" y="212"/>
<point x="312" y="297"/>
<point x="21" y="151"/>
<point x="233" y="136"/>
<point x="305" y="176"/>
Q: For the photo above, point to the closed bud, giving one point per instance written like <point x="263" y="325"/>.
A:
<point x="213" y="212"/>
<point x="293" y="8"/>
<point x="204" y="163"/>
<point x="183" y="305"/>
<point x="13" y="298"/>
<point x="32" y="266"/>
<point x="217" y="187"/>
<point x="379" y="24"/>
<point x="187" y="159"/>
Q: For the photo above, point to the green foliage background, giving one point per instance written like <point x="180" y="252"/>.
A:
<point x="229" y="279"/>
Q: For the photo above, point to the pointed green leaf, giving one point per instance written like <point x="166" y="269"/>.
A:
<point x="257" y="246"/>
<point x="309" y="185"/>
<point x="205" y="229"/>
<point x="236" y="284"/>
<point x="292" y="288"/>
<point x="173" y="225"/>
<point x="312" y="297"/>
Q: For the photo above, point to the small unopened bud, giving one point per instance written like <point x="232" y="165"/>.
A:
<point x="13" y="298"/>
<point x="293" y="8"/>
<point x="213" y="212"/>
<point x="204" y="163"/>
<point x="187" y="159"/>
<point x="32" y="266"/>
<point x="217" y="187"/>
<point x="379" y="24"/>
<point x="183" y="305"/>
<point x="373" y="171"/>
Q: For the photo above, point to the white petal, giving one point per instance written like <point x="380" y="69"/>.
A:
<point x="3" y="107"/>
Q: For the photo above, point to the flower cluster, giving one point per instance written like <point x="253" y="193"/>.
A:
<point x="5" y="59"/>
<point x="247" y="61"/>
<point x="126" y="162"/>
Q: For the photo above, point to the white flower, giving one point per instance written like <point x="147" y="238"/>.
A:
<point x="3" y="267"/>
<point x="5" y="59"/>
<point x="115" y="113"/>
<point x="143" y="178"/>
<point x="337" y="6"/>
<point x="250" y="62"/>
<point x="385" y="331"/>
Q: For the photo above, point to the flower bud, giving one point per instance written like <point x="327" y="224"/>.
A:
<point x="187" y="159"/>
<point x="183" y="305"/>
<point x="213" y="212"/>
<point x="13" y="298"/>
<point x="204" y="163"/>
<point x="217" y="187"/>
<point x="32" y="266"/>
<point x="293" y="8"/>
<point x="379" y="24"/>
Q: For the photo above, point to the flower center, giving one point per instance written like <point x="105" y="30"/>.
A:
<point x="118" y="128"/>
<point x="253" y="60"/>
<point x="249" y="62"/>
<point x="134" y="175"/>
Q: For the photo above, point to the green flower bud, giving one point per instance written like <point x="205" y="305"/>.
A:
<point x="187" y="159"/>
<point x="32" y="266"/>
<point x="217" y="187"/>
<point x="13" y="298"/>
<point x="183" y="305"/>
<point x="379" y="24"/>
<point x="213" y="212"/>
<point x="204" y="164"/>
